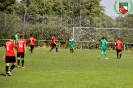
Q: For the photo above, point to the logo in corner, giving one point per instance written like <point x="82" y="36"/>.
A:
<point x="124" y="9"/>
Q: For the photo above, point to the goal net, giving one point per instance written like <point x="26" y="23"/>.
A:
<point x="89" y="37"/>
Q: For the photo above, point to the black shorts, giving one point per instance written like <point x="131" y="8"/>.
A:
<point x="118" y="51"/>
<point x="21" y="55"/>
<point x="10" y="59"/>
<point x="32" y="46"/>
<point x="53" y="45"/>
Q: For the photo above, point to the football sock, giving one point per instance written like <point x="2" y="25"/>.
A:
<point x="51" y="49"/>
<point x="7" y="69"/>
<point x="72" y="50"/>
<point x="18" y="61"/>
<point x="101" y="55"/>
<point x="117" y="55"/>
<point x="22" y="63"/>
<point x="120" y="55"/>
<point x="12" y="67"/>
<point x="31" y="51"/>
<point x="56" y="49"/>
<point x="105" y="55"/>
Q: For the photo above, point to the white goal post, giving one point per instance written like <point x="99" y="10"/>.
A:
<point x="93" y="34"/>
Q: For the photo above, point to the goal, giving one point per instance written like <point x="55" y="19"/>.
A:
<point x="89" y="37"/>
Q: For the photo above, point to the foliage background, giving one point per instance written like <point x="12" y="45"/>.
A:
<point x="43" y="18"/>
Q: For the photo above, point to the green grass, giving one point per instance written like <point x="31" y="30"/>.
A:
<point x="82" y="69"/>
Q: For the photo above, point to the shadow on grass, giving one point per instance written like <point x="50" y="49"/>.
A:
<point x="1" y="74"/>
<point x="111" y="58"/>
<point x="116" y="58"/>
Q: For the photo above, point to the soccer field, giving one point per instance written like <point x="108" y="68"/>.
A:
<point x="82" y="69"/>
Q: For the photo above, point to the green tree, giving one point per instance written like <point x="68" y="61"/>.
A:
<point x="7" y="6"/>
<point x="127" y="23"/>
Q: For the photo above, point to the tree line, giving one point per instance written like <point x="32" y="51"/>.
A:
<point x="46" y="17"/>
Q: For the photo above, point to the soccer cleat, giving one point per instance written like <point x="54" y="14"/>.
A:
<point x="9" y="73"/>
<point x="23" y="67"/>
<point x="18" y="66"/>
<point x="106" y="58"/>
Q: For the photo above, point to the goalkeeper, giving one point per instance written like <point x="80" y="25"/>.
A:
<point x="16" y="38"/>
<point x="103" y="43"/>
<point x="71" y="42"/>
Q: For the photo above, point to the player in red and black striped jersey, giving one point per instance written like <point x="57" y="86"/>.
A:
<point x="9" y="56"/>
<point x="21" y="50"/>
<point x="118" y="45"/>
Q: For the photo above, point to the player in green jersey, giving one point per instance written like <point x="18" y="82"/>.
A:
<point x="71" y="42"/>
<point x="103" y="43"/>
<point x="16" y="37"/>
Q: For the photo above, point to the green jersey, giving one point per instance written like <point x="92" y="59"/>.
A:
<point x="16" y="38"/>
<point x="71" y="41"/>
<point x="103" y="44"/>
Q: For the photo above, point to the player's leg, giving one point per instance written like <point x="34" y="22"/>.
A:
<point x="7" y="64"/>
<point x="18" y="59"/>
<point x="56" y="46"/>
<point x="52" y="47"/>
<point x="101" y="55"/>
<point x="105" y="54"/>
<point x="32" y="47"/>
<point x="102" y="51"/>
<point x="22" y="56"/>
<point x="117" y="52"/>
<point x="13" y="61"/>
<point x="120" y="53"/>
<point x="70" y="50"/>
<point x="73" y="50"/>
<point x="56" y="49"/>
